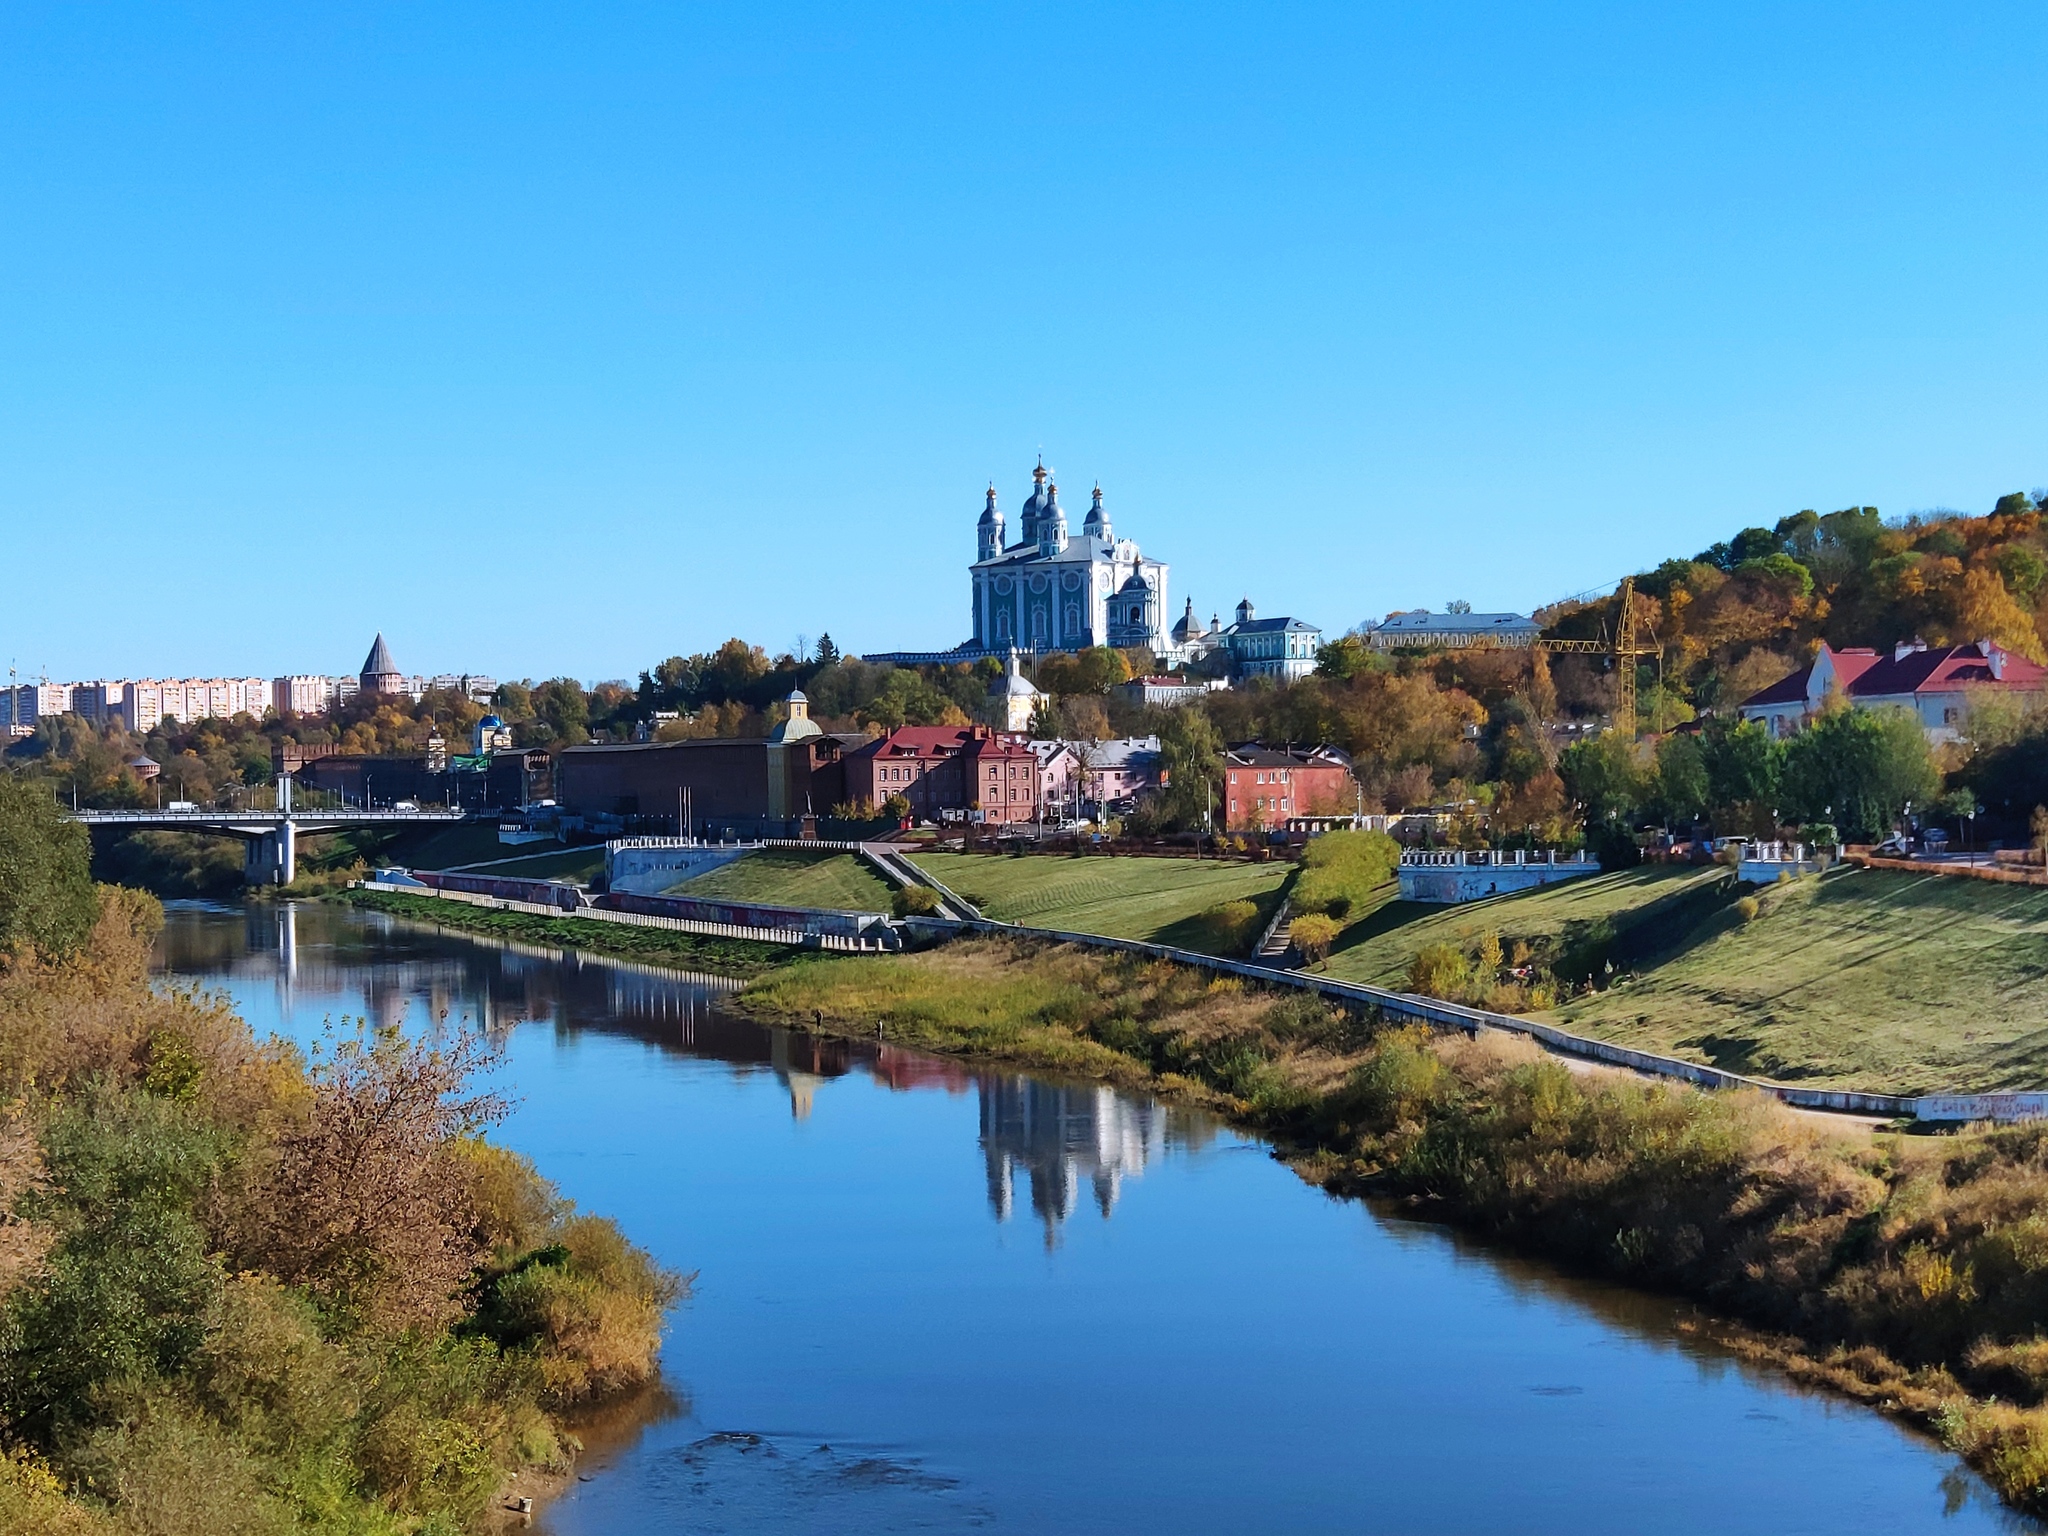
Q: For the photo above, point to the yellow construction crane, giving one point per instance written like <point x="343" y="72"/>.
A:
<point x="1623" y="648"/>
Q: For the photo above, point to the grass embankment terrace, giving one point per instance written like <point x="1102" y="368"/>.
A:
<point x="625" y="941"/>
<point x="1152" y="899"/>
<point x="1911" y="1273"/>
<point x="793" y="877"/>
<point x="1868" y="979"/>
<point x="572" y="864"/>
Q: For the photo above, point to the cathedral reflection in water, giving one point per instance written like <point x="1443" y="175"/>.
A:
<point x="1056" y="1136"/>
<point x="393" y="974"/>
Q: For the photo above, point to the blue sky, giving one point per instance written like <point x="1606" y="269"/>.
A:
<point x="561" y="339"/>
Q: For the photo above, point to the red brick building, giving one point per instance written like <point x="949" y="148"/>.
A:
<point x="940" y="768"/>
<point x="1263" y="786"/>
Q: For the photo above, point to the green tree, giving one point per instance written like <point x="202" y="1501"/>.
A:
<point x="1743" y="765"/>
<point x="1859" y="768"/>
<point x="828" y="653"/>
<point x="1682" y="782"/>
<point x="1191" y="762"/>
<point x="46" y="893"/>
<point x="1602" y="776"/>
<point x="1345" y="657"/>
<point x="561" y="714"/>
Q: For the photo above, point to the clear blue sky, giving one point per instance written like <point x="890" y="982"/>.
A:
<point x="560" y="339"/>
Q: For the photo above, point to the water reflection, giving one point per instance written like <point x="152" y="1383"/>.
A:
<point x="1053" y="1137"/>
<point x="1056" y="1135"/>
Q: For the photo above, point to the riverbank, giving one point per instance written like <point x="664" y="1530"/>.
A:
<point x="1910" y="1273"/>
<point x="738" y="958"/>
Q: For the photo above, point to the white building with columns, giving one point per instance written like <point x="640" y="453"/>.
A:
<point x="1051" y="589"/>
<point x="1055" y="591"/>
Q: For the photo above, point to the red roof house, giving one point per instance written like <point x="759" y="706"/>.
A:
<point x="1935" y="684"/>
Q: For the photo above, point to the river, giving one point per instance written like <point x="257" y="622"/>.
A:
<point x="936" y="1299"/>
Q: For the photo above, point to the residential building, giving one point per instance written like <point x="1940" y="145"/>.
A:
<point x="967" y="771"/>
<point x="1936" y="684"/>
<point x="22" y="705"/>
<point x="98" y="701"/>
<point x="1458" y="630"/>
<point x="1115" y="772"/>
<point x="473" y="686"/>
<point x="1264" y="786"/>
<point x="146" y="703"/>
<point x="305" y="694"/>
<point x="1059" y="772"/>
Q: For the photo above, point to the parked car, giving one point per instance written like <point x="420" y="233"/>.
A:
<point x="1893" y="847"/>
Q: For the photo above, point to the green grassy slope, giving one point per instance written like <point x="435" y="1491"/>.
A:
<point x="447" y="847"/>
<point x="1377" y="946"/>
<point x="563" y="864"/>
<point x="793" y="877"/>
<point x="1862" y="978"/>
<point x="1121" y="898"/>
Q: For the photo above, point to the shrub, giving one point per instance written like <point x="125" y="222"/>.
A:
<point x="32" y="1502"/>
<point x="1439" y="970"/>
<point x="1312" y="935"/>
<point x="914" y="901"/>
<point x="589" y="1305"/>
<point x="1341" y="870"/>
<point x="126" y="1289"/>
<point x="1229" y="928"/>
<point x="173" y="1472"/>
<point x="1748" y="907"/>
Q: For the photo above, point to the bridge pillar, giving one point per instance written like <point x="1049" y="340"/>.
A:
<point x="271" y="859"/>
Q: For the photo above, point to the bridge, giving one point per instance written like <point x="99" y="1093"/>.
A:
<point x="270" y="838"/>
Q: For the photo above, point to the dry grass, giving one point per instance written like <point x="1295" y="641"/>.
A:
<point x="1910" y="1272"/>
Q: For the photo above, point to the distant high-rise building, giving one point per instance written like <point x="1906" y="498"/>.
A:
<point x="305" y="693"/>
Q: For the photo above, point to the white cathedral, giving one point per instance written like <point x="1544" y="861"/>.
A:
<point x="1050" y="591"/>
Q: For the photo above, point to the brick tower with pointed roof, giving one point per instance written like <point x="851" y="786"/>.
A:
<point x="380" y="673"/>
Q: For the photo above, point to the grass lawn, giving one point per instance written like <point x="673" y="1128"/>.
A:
<point x="794" y="877"/>
<point x="470" y="842"/>
<point x="1120" y="898"/>
<point x="1377" y="947"/>
<point x="563" y="864"/>
<point x="1861" y="978"/>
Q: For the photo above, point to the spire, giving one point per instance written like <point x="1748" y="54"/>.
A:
<point x="379" y="662"/>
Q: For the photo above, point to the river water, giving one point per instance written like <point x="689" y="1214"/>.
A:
<point x="934" y="1299"/>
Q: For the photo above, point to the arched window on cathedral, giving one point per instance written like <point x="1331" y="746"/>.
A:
<point x="1002" y="624"/>
<point x="1137" y="615"/>
<point x="1073" y="619"/>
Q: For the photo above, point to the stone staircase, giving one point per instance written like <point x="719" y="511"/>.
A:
<point x="1274" y="945"/>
